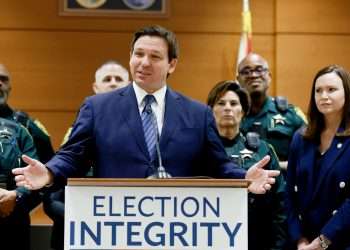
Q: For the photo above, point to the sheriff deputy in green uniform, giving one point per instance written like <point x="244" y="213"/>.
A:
<point x="15" y="202"/>
<point x="274" y="119"/>
<point x="40" y="136"/>
<point x="266" y="213"/>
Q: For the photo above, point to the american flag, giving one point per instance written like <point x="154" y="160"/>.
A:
<point x="245" y="44"/>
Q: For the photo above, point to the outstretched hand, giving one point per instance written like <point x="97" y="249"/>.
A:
<point x="261" y="179"/>
<point x="34" y="176"/>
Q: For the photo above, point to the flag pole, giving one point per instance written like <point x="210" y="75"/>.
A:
<point x="245" y="44"/>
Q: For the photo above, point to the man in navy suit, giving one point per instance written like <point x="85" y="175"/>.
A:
<point x="109" y="130"/>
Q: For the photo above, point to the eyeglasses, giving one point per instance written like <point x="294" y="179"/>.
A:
<point x="259" y="71"/>
<point x="4" y="78"/>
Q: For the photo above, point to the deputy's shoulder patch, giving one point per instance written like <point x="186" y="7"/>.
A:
<point x="300" y="113"/>
<point x="66" y="136"/>
<point x="41" y="126"/>
<point x="273" y="151"/>
<point x="281" y="103"/>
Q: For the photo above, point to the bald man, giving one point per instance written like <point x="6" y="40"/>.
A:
<point x="109" y="76"/>
<point x="274" y="119"/>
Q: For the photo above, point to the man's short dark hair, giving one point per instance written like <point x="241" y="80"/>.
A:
<point x="159" y="31"/>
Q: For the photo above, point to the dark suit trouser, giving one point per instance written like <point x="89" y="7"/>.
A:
<point x="15" y="232"/>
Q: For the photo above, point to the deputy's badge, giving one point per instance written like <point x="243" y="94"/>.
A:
<point x="278" y="119"/>
<point x="246" y="153"/>
<point x="5" y="132"/>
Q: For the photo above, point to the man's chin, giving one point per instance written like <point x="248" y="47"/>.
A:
<point x="149" y="86"/>
<point x="256" y="94"/>
<point x="141" y="81"/>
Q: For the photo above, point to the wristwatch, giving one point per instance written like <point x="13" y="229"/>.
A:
<point x="324" y="242"/>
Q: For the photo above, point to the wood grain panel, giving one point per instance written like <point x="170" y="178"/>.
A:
<point x="317" y="16"/>
<point x="219" y="16"/>
<point x="39" y="217"/>
<point x="189" y="16"/>
<point x="299" y="58"/>
<point x="57" y="68"/>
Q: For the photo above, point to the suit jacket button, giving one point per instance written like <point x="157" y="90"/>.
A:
<point x="334" y="212"/>
<point x="339" y="145"/>
<point x="296" y="188"/>
<point x="342" y="184"/>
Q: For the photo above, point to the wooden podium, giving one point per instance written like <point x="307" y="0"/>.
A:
<point x="156" y="214"/>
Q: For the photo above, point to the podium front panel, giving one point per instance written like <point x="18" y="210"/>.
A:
<point x="156" y="217"/>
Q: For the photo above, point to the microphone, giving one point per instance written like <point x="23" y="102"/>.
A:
<point x="160" y="172"/>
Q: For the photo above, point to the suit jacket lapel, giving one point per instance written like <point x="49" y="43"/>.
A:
<point x="172" y="116"/>
<point x="307" y="163"/>
<point x="336" y="149"/>
<point x="129" y="109"/>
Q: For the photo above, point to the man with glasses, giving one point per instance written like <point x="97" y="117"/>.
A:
<point x="274" y="119"/>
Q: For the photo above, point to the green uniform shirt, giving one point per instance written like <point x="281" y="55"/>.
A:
<point x="274" y="125"/>
<point x="266" y="213"/>
<point x="39" y="134"/>
<point x="15" y="140"/>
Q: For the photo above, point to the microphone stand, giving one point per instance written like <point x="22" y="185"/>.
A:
<point x="160" y="172"/>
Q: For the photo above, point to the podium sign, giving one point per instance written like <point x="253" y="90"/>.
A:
<point x="156" y="214"/>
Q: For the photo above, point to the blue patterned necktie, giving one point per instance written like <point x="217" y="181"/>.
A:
<point x="149" y="124"/>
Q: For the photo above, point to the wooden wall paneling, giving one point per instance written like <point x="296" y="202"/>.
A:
<point x="39" y="217"/>
<point x="313" y="16"/>
<point x="189" y="16"/>
<point x="299" y="58"/>
<point x="55" y="70"/>
<point x="219" y="16"/>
